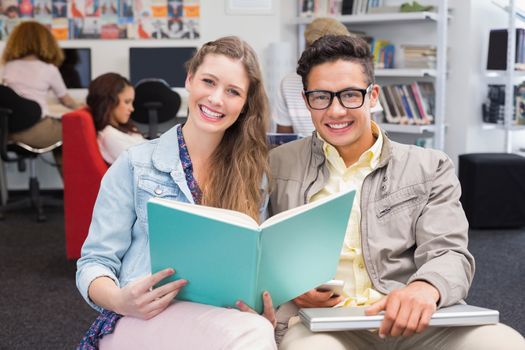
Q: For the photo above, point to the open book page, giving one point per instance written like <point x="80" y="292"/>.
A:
<point x="301" y="251"/>
<point x="220" y="260"/>
<point x="297" y="210"/>
<point x="225" y="215"/>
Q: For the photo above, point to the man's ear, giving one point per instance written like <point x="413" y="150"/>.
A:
<point x="374" y="95"/>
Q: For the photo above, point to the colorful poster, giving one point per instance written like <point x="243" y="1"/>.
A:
<point x="106" y="19"/>
<point x="59" y="9"/>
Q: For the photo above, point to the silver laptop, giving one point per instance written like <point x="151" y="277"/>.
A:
<point x="350" y="318"/>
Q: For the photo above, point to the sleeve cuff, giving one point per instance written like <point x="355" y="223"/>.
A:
<point x="84" y="281"/>
<point x="437" y="281"/>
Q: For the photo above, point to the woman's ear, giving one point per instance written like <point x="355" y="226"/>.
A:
<point x="187" y="83"/>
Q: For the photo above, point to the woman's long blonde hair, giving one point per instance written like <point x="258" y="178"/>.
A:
<point x="240" y="161"/>
<point x="32" y="38"/>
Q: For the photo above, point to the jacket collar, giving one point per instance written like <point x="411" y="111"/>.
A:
<point x="165" y="156"/>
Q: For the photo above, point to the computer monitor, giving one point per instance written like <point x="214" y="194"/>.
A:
<point x="76" y="68"/>
<point x="166" y="63"/>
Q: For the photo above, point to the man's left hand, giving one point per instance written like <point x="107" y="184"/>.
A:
<point x="407" y="310"/>
<point x="268" y="312"/>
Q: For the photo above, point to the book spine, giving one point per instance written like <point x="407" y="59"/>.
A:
<point x="405" y="104"/>
<point x="419" y="102"/>
<point x="412" y="104"/>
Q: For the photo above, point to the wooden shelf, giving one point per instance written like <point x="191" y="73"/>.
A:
<point x="379" y="17"/>
<point x="407" y="129"/>
<point x="405" y="72"/>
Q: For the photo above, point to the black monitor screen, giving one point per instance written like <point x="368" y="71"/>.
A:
<point x="76" y="68"/>
<point x="166" y="63"/>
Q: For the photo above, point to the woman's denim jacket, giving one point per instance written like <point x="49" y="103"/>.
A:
<point x="117" y="245"/>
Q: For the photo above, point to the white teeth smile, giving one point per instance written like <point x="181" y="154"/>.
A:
<point x="210" y="113"/>
<point x="338" y="126"/>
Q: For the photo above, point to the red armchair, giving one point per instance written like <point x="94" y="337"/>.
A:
<point x="83" y="169"/>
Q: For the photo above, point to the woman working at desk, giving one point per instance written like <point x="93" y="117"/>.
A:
<point x="110" y="101"/>
<point x="31" y="57"/>
<point x="217" y="158"/>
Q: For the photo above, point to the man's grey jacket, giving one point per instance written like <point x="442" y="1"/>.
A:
<point x="413" y="226"/>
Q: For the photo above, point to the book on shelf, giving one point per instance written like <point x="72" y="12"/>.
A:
<point x="390" y="101"/>
<point x="320" y="8"/>
<point x="428" y="95"/>
<point x="383" y="52"/>
<point x="399" y="103"/>
<point x="412" y="104"/>
<point x="419" y="56"/>
<point x="408" y="103"/>
<point x="226" y="256"/>
<point x="497" y="55"/>
<point x="421" y="105"/>
<point x="389" y="114"/>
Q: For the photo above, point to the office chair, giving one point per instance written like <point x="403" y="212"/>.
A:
<point x="83" y="168"/>
<point x="18" y="114"/>
<point x="155" y="102"/>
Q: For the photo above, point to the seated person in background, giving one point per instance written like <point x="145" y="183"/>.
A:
<point x="31" y="57"/>
<point x="291" y="114"/>
<point x="110" y="101"/>
<point x="218" y="158"/>
<point x="405" y="250"/>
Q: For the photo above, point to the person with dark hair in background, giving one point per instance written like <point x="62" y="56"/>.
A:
<point x="110" y="101"/>
<point x="31" y="57"/>
<point x="405" y="251"/>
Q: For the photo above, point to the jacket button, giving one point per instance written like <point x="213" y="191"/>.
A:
<point x="158" y="191"/>
<point x="384" y="179"/>
<point x="383" y="187"/>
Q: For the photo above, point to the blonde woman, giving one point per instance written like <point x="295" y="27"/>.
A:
<point x="217" y="158"/>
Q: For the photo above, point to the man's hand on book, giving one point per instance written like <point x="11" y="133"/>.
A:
<point x="140" y="300"/>
<point x="268" y="312"/>
<point x="316" y="298"/>
<point x="407" y="310"/>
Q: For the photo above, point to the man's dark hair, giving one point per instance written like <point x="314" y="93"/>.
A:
<point x="331" y="48"/>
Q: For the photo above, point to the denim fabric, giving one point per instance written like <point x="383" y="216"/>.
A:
<point x="117" y="245"/>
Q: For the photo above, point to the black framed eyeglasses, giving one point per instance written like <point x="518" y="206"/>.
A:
<point x="348" y="98"/>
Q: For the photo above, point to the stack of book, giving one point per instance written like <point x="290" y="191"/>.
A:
<point x="497" y="56"/>
<point x="419" y="56"/>
<point x="410" y="104"/>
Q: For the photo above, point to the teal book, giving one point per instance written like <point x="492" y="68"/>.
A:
<point x="226" y="256"/>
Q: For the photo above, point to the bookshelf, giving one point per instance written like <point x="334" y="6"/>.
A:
<point x="403" y="27"/>
<point x="509" y="78"/>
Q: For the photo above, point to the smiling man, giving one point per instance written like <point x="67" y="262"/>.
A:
<point x="405" y="250"/>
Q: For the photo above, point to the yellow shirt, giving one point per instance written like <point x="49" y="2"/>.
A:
<point x="358" y="289"/>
